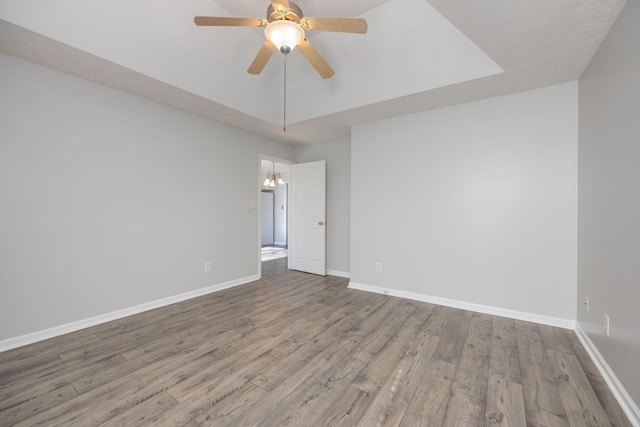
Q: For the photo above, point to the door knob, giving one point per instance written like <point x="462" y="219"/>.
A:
<point x="321" y="223"/>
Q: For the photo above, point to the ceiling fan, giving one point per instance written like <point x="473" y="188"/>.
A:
<point x="285" y="26"/>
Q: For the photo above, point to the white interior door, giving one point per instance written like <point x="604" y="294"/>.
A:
<point x="267" y="218"/>
<point x="307" y="251"/>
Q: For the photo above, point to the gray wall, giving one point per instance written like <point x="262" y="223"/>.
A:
<point x="338" y="156"/>
<point x="609" y="199"/>
<point x="474" y="203"/>
<point x="108" y="200"/>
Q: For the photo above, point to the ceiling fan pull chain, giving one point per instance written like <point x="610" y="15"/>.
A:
<point x="284" y="114"/>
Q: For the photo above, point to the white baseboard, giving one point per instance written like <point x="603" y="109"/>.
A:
<point x="621" y="395"/>
<point x="15" y="342"/>
<point x="339" y="273"/>
<point x="496" y="311"/>
<point x="280" y="243"/>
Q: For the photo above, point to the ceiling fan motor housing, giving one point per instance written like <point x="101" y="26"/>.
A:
<point x="293" y="14"/>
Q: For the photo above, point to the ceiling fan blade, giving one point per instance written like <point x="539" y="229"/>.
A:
<point x="262" y="58"/>
<point x="226" y="21"/>
<point x="341" y="25"/>
<point x="280" y="4"/>
<point x="316" y="60"/>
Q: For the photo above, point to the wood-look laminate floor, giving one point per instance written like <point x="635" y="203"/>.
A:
<point x="301" y="350"/>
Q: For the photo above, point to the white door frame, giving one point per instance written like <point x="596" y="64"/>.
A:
<point x="261" y="177"/>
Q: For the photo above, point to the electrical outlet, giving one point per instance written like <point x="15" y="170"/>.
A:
<point x="606" y="324"/>
<point x="378" y="267"/>
<point x="207" y="266"/>
<point x="586" y="303"/>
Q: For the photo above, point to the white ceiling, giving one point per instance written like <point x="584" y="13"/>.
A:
<point x="417" y="55"/>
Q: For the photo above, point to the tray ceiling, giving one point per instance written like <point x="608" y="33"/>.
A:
<point x="417" y="55"/>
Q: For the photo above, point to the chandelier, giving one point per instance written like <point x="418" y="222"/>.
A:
<point x="273" y="177"/>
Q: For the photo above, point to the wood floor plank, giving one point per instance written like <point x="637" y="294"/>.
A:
<point x="542" y="402"/>
<point x="368" y="303"/>
<point x="188" y="340"/>
<point x="385" y="322"/>
<point x="304" y="350"/>
<point x="33" y="406"/>
<point x="120" y="395"/>
<point x="505" y="404"/>
<point x="463" y="410"/>
<point x="301" y="408"/>
<point x="453" y="336"/>
<point x="222" y="382"/>
<point x="141" y="414"/>
<point x="235" y="368"/>
<point x="438" y="320"/>
<point x="394" y="307"/>
<point x="473" y="368"/>
<point x="347" y="408"/>
<point x="385" y="362"/>
<point x="578" y="398"/>
<point x="340" y="323"/>
<point x="205" y="410"/>
<point x="18" y="397"/>
<point x="99" y="378"/>
<point x="611" y="407"/>
<point x="43" y="360"/>
<point x="504" y="361"/>
<point x="126" y="340"/>
<point x="155" y="330"/>
<point x="51" y="347"/>
<point x="320" y="366"/>
<point x="466" y="406"/>
<point x="428" y="404"/>
<point x="555" y="339"/>
<point x="389" y="405"/>
<point x="13" y="371"/>
<point x="326" y="341"/>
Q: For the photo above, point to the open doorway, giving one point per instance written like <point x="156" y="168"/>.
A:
<point x="274" y="209"/>
<point x="273" y="212"/>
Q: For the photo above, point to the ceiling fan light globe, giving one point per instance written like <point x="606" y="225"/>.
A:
<point x="285" y="35"/>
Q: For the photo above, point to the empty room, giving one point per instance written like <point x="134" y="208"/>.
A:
<point x="363" y="213"/>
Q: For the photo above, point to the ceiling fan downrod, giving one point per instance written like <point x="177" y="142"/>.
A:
<point x="284" y="114"/>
